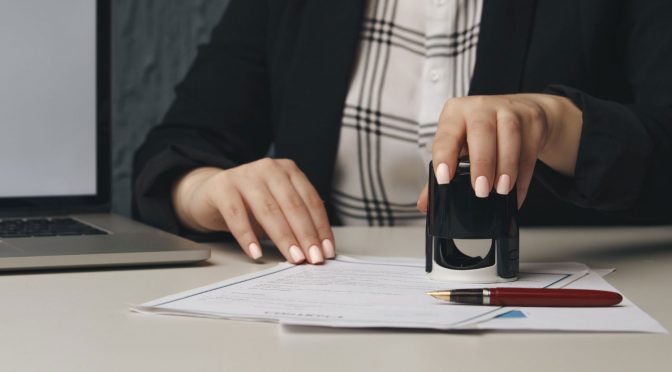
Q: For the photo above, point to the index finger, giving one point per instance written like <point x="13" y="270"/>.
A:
<point x="448" y="142"/>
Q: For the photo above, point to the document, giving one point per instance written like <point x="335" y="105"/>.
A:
<point x="378" y="292"/>
<point x="351" y="292"/>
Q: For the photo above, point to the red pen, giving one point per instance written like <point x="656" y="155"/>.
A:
<point x="538" y="297"/>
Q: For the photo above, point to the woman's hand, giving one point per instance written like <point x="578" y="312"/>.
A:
<point x="503" y="137"/>
<point x="266" y="198"/>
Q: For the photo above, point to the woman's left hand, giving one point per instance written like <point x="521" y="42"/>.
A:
<point x="503" y="137"/>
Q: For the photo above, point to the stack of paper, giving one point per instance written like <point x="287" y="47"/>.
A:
<point x="383" y="292"/>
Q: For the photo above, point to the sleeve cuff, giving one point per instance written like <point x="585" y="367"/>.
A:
<point x="613" y="157"/>
<point x="153" y="188"/>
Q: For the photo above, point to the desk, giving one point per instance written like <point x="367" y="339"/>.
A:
<point x="78" y="321"/>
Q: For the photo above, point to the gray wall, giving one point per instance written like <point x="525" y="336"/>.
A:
<point x="155" y="42"/>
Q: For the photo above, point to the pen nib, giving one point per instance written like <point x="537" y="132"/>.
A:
<point x="440" y="295"/>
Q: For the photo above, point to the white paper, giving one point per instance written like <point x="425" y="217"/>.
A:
<point x="602" y="272"/>
<point x="350" y="292"/>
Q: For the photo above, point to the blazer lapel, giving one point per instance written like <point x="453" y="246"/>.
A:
<point x="309" y="120"/>
<point x="502" y="46"/>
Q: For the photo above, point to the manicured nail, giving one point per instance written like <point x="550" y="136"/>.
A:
<point x="504" y="184"/>
<point x="328" y="248"/>
<point x="482" y="187"/>
<point x="315" y="254"/>
<point x="442" y="174"/>
<point x="296" y="254"/>
<point x="254" y="250"/>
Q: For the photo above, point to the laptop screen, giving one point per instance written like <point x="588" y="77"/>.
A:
<point x="47" y="98"/>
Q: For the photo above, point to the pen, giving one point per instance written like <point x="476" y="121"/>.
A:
<point x="539" y="297"/>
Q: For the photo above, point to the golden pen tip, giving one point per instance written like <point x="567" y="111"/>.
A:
<point x="440" y="295"/>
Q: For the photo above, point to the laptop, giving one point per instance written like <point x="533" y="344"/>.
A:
<point x="55" y="167"/>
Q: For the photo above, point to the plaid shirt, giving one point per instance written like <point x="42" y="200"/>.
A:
<point x="413" y="56"/>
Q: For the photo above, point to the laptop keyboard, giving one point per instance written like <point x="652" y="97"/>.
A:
<point x="36" y="227"/>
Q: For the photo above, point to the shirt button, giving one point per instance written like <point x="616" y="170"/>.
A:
<point x="439" y="2"/>
<point x="434" y="76"/>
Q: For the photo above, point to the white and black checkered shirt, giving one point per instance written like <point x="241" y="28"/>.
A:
<point x="413" y="56"/>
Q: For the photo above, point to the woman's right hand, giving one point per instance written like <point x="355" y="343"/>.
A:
<point x="268" y="198"/>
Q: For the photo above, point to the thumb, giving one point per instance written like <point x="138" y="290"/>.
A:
<point x="422" y="200"/>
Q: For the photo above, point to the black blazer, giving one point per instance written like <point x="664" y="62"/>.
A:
<point x="276" y="73"/>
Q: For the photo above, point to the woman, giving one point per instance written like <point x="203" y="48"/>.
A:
<point x="350" y="96"/>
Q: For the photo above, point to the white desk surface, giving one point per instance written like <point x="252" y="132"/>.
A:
<point x="79" y="321"/>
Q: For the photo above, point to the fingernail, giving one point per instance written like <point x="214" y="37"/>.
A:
<point x="482" y="187"/>
<point x="442" y="174"/>
<point x="296" y="254"/>
<point x="315" y="254"/>
<point x="254" y="250"/>
<point x="504" y="184"/>
<point x="328" y="248"/>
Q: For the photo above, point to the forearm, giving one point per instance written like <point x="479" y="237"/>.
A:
<point x="623" y="149"/>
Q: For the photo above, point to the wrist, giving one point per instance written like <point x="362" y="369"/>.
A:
<point x="564" y="124"/>
<point x="183" y="192"/>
